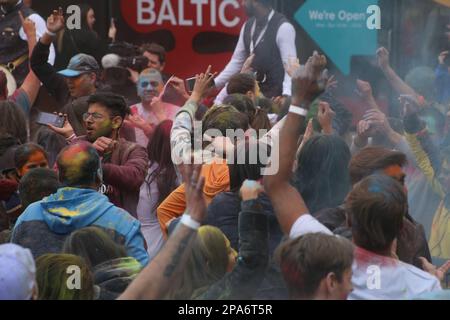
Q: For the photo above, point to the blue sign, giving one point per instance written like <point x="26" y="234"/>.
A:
<point x="340" y="28"/>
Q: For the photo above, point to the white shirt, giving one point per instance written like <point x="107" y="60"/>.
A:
<point x="286" y="44"/>
<point x="375" y="276"/>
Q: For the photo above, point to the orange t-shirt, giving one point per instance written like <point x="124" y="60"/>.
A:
<point x="217" y="180"/>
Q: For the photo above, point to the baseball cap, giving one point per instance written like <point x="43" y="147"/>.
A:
<point x="17" y="272"/>
<point x="79" y="64"/>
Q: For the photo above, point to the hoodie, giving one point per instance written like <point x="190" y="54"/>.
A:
<point x="45" y="224"/>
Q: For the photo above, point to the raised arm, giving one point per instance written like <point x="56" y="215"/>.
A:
<point x="46" y="73"/>
<point x="155" y="280"/>
<point x="396" y="82"/>
<point x="182" y="129"/>
<point x="308" y="83"/>
<point x="31" y="83"/>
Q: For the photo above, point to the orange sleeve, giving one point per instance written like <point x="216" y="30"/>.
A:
<point x="172" y="207"/>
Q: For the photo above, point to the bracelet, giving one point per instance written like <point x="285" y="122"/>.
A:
<point x="189" y="222"/>
<point x="52" y="34"/>
<point x="298" y="110"/>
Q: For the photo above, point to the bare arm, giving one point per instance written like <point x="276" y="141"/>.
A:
<point x="287" y="201"/>
<point x="150" y="283"/>
<point x="396" y="82"/>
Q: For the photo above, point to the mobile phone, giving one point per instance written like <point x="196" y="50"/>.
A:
<point x="191" y="82"/>
<point x="46" y="118"/>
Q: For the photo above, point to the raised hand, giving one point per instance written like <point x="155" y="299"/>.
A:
<point x="112" y="30"/>
<point x="383" y="58"/>
<point x="66" y="131"/>
<point x="442" y="57"/>
<point x="28" y="26"/>
<point x="56" y="21"/>
<point x="364" y="89"/>
<point x="325" y="117"/>
<point x="104" y="145"/>
<point x="251" y="190"/>
<point x="309" y="81"/>
<point x="202" y="84"/>
<point x="193" y="183"/>
<point x="179" y="86"/>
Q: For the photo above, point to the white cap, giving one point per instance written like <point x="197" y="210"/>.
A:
<point x="110" y="61"/>
<point x="17" y="272"/>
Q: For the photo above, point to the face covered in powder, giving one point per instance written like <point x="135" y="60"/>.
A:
<point x="98" y="122"/>
<point x="36" y="160"/>
<point x="150" y="85"/>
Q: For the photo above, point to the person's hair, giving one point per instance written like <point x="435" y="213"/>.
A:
<point x="36" y="185"/>
<point x="3" y="85"/>
<point x="159" y="153"/>
<point x="322" y="176"/>
<point x="223" y="117"/>
<point x="78" y="165"/>
<point x="371" y="159"/>
<point x="52" y="277"/>
<point x="116" y="104"/>
<point x="25" y="151"/>
<point x="13" y="121"/>
<point x="156" y="49"/>
<point x="242" y="103"/>
<point x="376" y="207"/>
<point x="241" y="83"/>
<point x="258" y="118"/>
<point x="305" y="261"/>
<point x="84" y="12"/>
<point x="52" y="143"/>
<point x="94" y="245"/>
<point x="206" y="264"/>
<point x="7" y="141"/>
<point x="249" y="169"/>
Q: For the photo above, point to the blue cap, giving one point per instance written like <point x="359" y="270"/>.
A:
<point x="79" y="64"/>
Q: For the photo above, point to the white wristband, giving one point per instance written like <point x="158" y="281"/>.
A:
<point x="52" y="34"/>
<point x="189" y="222"/>
<point x="298" y="110"/>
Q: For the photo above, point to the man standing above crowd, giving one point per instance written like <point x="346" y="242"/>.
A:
<point x="270" y="37"/>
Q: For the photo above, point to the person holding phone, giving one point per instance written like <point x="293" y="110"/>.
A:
<point x="152" y="110"/>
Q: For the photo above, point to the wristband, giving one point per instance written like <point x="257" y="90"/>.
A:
<point x="52" y="34"/>
<point x="189" y="222"/>
<point x="298" y="110"/>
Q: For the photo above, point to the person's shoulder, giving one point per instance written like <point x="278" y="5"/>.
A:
<point x="415" y="274"/>
<point x="31" y="213"/>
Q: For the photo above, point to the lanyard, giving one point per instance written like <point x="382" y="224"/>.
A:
<point x="261" y="35"/>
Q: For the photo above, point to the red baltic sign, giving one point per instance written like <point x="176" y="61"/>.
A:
<point x="204" y="30"/>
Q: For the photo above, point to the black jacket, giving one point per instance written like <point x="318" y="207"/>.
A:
<point x="243" y="282"/>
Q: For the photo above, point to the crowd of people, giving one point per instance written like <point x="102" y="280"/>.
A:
<point x="114" y="202"/>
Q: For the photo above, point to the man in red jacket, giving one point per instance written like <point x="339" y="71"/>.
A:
<point x="124" y="163"/>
